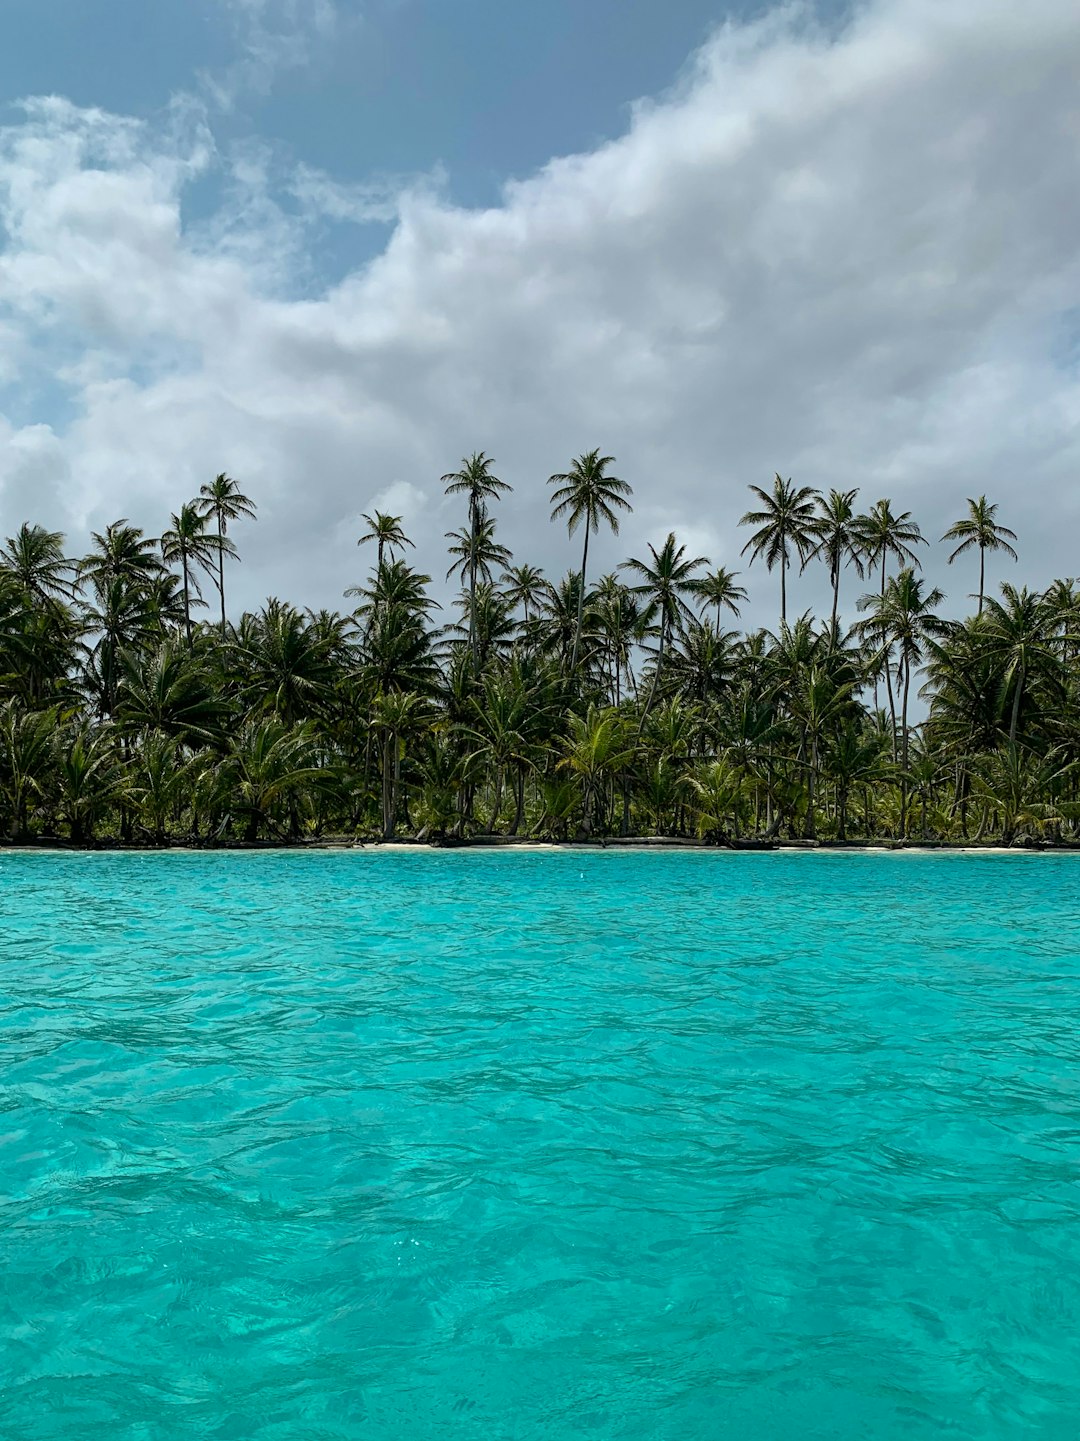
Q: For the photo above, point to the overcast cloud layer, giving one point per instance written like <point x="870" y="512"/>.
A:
<point x="850" y="257"/>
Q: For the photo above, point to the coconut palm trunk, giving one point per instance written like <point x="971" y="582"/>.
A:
<point x="580" y="602"/>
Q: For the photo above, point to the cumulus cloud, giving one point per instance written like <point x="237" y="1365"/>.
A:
<point x="851" y="257"/>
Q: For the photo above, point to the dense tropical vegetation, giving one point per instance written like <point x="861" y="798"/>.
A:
<point x="569" y="708"/>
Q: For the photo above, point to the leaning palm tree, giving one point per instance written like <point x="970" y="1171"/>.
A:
<point x="979" y="528"/>
<point x="839" y="539"/>
<point x="718" y="588"/>
<point x="586" y="493"/>
<point x="387" y="533"/>
<point x="786" y="520"/>
<point x="475" y="480"/>
<point x="221" y="498"/>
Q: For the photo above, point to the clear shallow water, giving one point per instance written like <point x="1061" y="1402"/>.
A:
<point x="553" y="1145"/>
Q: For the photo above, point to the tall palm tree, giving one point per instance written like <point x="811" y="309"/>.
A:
<point x="884" y="535"/>
<point x="665" y="580"/>
<point x="222" y="499"/>
<point x="785" y="520"/>
<point x="475" y="480"/>
<point x="910" y="621"/>
<point x="718" y="588"/>
<point x="477" y="552"/>
<point x="980" y="528"/>
<point x="587" y="494"/>
<point x="838" y="539"/>
<point x="388" y="534"/>
<point x="188" y="543"/>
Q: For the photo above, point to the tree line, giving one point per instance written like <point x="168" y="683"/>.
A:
<point x="584" y="706"/>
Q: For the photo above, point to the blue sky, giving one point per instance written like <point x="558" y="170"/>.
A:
<point x="331" y="246"/>
<point x="485" y="88"/>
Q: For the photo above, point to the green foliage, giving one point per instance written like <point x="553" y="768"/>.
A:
<point x="563" y="709"/>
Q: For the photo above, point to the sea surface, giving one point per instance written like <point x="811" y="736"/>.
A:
<point x="369" y="1145"/>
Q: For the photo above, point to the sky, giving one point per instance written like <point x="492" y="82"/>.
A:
<point x="332" y="246"/>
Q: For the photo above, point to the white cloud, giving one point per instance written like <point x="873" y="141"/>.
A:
<point x="848" y="258"/>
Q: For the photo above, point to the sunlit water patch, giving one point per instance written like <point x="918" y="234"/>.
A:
<point x="554" y="1144"/>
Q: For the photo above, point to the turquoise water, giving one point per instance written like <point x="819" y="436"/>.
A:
<point x="619" y="1145"/>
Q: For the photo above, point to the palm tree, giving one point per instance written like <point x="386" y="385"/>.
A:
<point x="718" y="788"/>
<point x="475" y="480"/>
<point x="664" y="581"/>
<point x="718" y="588"/>
<point x="88" y="777"/>
<point x="222" y="499"/>
<point x="171" y="691"/>
<point x="285" y="663"/>
<point x="387" y="532"/>
<point x="26" y="760"/>
<point x="268" y="763"/>
<point x="785" y="520"/>
<point x="1019" y="630"/>
<point x="979" y="528"/>
<point x="883" y="534"/>
<point x="525" y="586"/>
<point x="35" y="556"/>
<point x="587" y="494"/>
<point x="121" y="552"/>
<point x="910" y="622"/>
<point x="394" y="716"/>
<point x="478" y="552"/>
<point x="839" y="539"/>
<point x="188" y="543"/>
<point x="596" y="745"/>
<point x="855" y="757"/>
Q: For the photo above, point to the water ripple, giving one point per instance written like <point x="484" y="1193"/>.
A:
<point x="321" y="1147"/>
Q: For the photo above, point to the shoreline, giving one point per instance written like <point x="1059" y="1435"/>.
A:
<point x="56" y="845"/>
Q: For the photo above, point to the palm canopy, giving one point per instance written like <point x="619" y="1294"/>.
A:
<point x="718" y="588"/>
<point x="35" y="556"/>
<point x="785" y="521"/>
<point x="884" y="535"/>
<point x="222" y="500"/>
<point x="666" y="578"/>
<point x="477" y="552"/>
<point x="188" y="543"/>
<point x="475" y="479"/>
<point x="525" y="586"/>
<point x="1019" y="630"/>
<point x="980" y="528"/>
<point x="122" y="552"/>
<point x="587" y="494"/>
<point x="387" y="532"/>
<point x="838" y="539"/>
